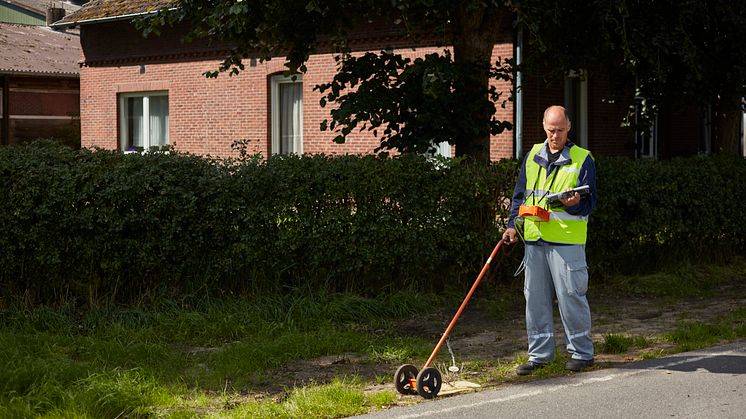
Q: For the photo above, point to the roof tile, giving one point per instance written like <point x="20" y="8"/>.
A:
<point x="102" y="9"/>
<point x="38" y="50"/>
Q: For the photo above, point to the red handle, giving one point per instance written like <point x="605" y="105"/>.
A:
<point x="463" y="305"/>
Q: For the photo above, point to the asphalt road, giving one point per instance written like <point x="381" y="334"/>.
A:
<point x="709" y="383"/>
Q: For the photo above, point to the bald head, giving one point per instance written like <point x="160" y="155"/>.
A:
<point x="556" y="111"/>
<point x="557" y="126"/>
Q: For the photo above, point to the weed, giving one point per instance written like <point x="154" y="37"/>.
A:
<point x="617" y="344"/>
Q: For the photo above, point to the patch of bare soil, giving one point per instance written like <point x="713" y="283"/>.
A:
<point x="479" y="335"/>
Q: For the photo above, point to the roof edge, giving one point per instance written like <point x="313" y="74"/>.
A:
<point x="26" y="73"/>
<point x="64" y="25"/>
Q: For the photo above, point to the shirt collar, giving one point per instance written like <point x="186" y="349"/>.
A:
<point x="563" y="159"/>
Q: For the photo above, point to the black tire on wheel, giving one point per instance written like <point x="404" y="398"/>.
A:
<point x="402" y="379"/>
<point x="429" y="382"/>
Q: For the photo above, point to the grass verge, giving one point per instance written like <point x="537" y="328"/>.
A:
<point x="178" y="361"/>
<point x="222" y="358"/>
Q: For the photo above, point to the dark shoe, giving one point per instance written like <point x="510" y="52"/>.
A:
<point x="529" y="367"/>
<point x="578" y="364"/>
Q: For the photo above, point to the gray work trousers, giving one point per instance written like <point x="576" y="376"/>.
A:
<point x="561" y="271"/>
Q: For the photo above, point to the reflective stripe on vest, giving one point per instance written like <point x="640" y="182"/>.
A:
<point x="562" y="227"/>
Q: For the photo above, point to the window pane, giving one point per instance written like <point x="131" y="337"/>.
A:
<point x="444" y="149"/>
<point x="158" y="111"/>
<point x="291" y="103"/>
<point x="134" y="121"/>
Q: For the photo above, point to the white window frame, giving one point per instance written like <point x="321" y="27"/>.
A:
<point x="580" y="121"/>
<point x="275" y="82"/>
<point x="123" y="132"/>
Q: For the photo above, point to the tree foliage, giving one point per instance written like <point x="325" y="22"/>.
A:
<point x="675" y="52"/>
<point x="671" y="51"/>
<point x="410" y="104"/>
<point x="441" y="90"/>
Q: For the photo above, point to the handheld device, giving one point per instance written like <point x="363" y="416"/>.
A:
<point x="556" y="197"/>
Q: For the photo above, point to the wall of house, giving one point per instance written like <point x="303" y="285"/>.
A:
<point x="606" y="136"/>
<point x="42" y="107"/>
<point x="681" y="131"/>
<point x="208" y="115"/>
<point x="606" y="112"/>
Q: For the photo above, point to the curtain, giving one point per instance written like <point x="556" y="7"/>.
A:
<point x="134" y="123"/>
<point x="291" y="106"/>
<point x="444" y="149"/>
<point x="158" y="120"/>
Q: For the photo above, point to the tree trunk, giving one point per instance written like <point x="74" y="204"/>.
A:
<point x="476" y="28"/>
<point x="726" y="124"/>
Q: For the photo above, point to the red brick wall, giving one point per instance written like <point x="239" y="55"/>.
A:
<point x="502" y="146"/>
<point x="208" y="115"/>
<point x="537" y="96"/>
<point x="605" y="114"/>
<point x="679" y="132"/>
<point x="43" y="107"/>
<point x="606" y="136"/>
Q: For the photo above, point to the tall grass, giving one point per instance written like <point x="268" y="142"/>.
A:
<point x="113" y="362"/>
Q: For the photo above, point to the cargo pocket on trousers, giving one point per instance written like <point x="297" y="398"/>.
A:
<point x="576" y="277"/>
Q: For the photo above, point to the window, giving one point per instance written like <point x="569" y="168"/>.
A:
<point x="706" y="147"/>
<point x="143" y="121"/>
<point x="576" y="103"/>
<point x="443" y="149"/>
<point x="287" y="114"/>
<point x="646" y="132"/>
<point x="743" y="127"/>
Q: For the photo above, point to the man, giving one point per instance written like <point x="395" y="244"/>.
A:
<point x="555" y="249"/>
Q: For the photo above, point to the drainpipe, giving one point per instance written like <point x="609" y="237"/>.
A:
<point x="519" y="96"/>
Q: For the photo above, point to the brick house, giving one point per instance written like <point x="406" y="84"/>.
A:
<point x="39" y="82"/>
<point x="137" y="93"/>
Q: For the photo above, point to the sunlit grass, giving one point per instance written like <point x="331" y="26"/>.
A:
<point x="618" y="344"/>
<point x="695" y="335"/>
<point x="178" y="361"/>
<point x="341" y="398"/>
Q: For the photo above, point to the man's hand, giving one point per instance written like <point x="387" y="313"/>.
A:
<point x="509" y="236"/>
<point x="573" y="200"/>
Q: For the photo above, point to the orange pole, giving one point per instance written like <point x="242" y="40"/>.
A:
<point x="485" y="268"/>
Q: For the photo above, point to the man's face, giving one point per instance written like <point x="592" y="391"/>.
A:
<point x="557" y="128"/>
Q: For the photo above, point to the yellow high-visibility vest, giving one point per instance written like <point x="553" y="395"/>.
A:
<point x="562" y="227"/>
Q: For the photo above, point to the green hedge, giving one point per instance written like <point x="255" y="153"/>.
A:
<point x="102" y="225"/>
<point x="676" y="211"/>
<point x="95" y="226"/>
